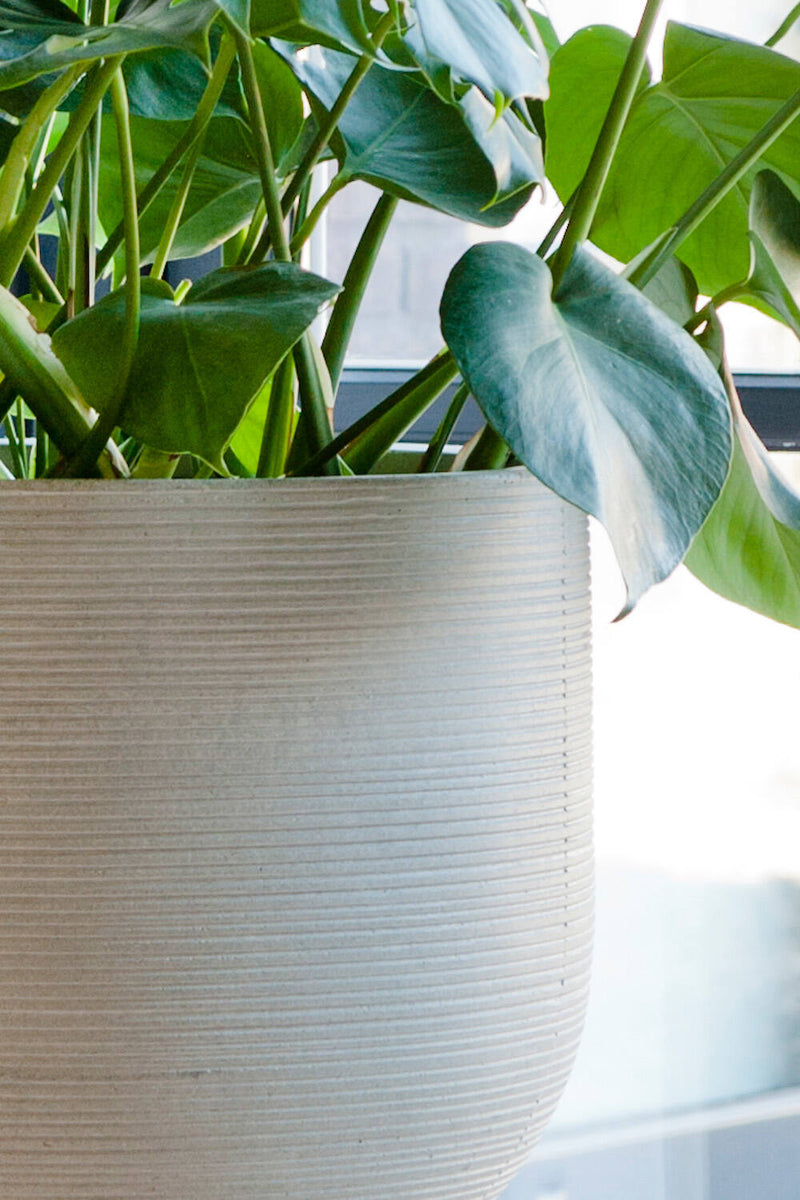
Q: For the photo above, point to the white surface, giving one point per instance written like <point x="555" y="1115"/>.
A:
<point x="294" y="854"/>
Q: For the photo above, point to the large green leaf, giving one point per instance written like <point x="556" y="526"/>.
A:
<point x="583" y="75"/>
<point x="715" y="95"/>
<point x="748" y="550"/>
<point x="397" y="134"/>
<point x="476" y="43"/>
<point x="338" y="24"/>
<point x="199" y="364"/>
<point x="145" y="26"/>
<point x="602" y="397"/>
<point x="225" y="187"/>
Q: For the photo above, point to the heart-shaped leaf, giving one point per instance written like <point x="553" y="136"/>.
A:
<point x="602" y="397"/>
<point x="397" y="134"/>
<point x="477" y="44"/>
<point x="199" y="364"/>
<point x="748" y="550"/>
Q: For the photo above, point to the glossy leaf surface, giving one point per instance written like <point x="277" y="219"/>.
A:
<point x="200" y="364"/>
<point x="334" y="23"/>
<point x="146" y="26"/>
<point x="583" y="75"/>
<point x="477" y="44"/>
<point x="598" y="393"/>
<point x="397" y="134"/>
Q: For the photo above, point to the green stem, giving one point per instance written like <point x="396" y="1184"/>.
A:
<point x="40" y="277"/>
<point x="490" y="452"/>
<point x="24" y="145"/>
<point x="328" y="126"/>
<point x="23" y="445"/>
<point x="312" y="220"/>
<point x="42" y="451"/>
<point x="594" y="180"/>
<point x="717" y="190"/>
<point x="75" y="181"/>
<point x="340" y="329"/>
<point x="732" y="292"/>
<point x="784" y="27"/>
<point x="555" y="229"/>
<point x="432" y="456"/>
<point x="197" y="125"/>
<point x="17" y="461"/>
<point x="263" y="148"/>
<point x="313" y="401"/>
<point x="109" y="418"/>
<point x="16" y="239"/>
<point x="176" y="211"/>
<point x="252" y="235"/>
<point x="325" y="132"/>
<point x="432" y="378"/>
<point x="279" y="424"/>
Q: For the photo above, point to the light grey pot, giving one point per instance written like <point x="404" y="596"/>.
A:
<point x="295" y="865"/>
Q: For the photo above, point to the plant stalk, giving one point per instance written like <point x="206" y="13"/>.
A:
<point x="24" y="145"/>
<point x="432" y="456"/>
<point x="784" y="27"/>
<point x="490" y="452"/>
<point x="176" y="211"/>
<point x="109" y="419"/>
<point x="263" y="149"/>
<point x="591" y="188"/>
<point x="429" y="382"/>
<point x="279" y="424"/>
<point x="197" y="125"/>
<point x="312" y="220"/>
<point x="328" y="126"/>
<point x="340" y="328"/>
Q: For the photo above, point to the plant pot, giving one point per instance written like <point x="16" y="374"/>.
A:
<point x="295" y="864"/>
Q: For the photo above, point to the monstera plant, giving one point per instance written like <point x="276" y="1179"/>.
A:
<point x="147" y="131"/>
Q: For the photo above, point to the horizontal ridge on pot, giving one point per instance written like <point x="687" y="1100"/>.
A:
<point x="295" y="835"/>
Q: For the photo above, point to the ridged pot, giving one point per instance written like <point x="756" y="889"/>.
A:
<point x="295" y="865"/>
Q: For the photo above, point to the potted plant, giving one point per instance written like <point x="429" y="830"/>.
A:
<point x="296" y="864"/>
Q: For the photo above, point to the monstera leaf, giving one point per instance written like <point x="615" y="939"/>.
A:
<point x="602" y="397"/>
<point x="34" y="48"/>
<point x="200" y="364"/>
<point x="397" y="134"/>
<point x="474" y="42"/>
<point x="338" y="24"/>
<point x="715" y="94"/>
